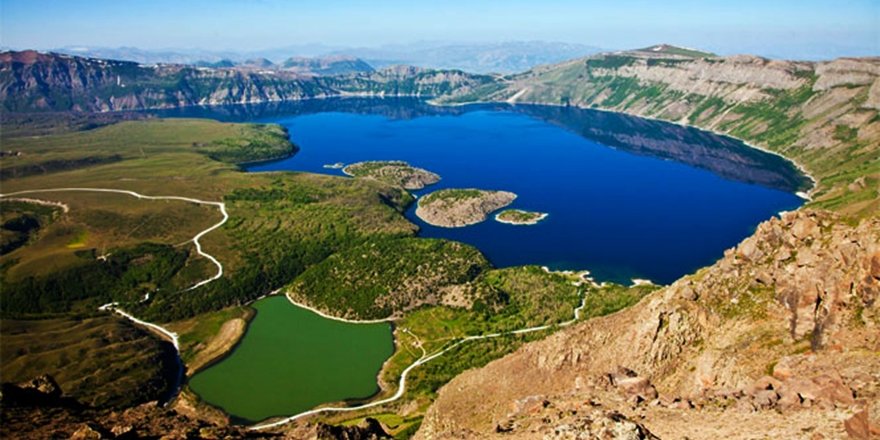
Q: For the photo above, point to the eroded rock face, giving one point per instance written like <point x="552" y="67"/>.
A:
<point x="777" y="338"/>
<point x="453" y="208"/>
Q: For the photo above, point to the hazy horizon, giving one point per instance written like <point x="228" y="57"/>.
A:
<point x="812" y="29"/>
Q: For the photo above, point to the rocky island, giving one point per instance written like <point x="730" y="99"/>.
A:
<point x="520" y="217"/>
<point x="393" y="172"/>
<point x="454" y="208"/>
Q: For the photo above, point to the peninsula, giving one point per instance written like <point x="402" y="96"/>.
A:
<point x="393" y="172"/>
<point x="520" y="217"/>
<point x="454" y="208"/>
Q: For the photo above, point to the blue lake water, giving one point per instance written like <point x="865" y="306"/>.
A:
<point x="627" y="197"/>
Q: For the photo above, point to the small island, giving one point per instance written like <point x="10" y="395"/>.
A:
<point x="520" y="217"/>
<point x="454" y="208"/>
<point x="393" y="172"/>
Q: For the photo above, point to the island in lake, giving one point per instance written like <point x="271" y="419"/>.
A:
<point x="520" y="217"/>
<point x="393" y="172"/>
<point x="454" y="208"/>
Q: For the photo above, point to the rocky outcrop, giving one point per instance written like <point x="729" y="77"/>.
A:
<point x="454" y="208"/>
<point x="777" y="338"/>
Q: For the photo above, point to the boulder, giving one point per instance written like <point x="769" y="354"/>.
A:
<point x="44" y="384"/>
<point x="875" y="265"/>
<point x="860" y="428"/>
<point x="805" y="227"/>
<point x="765" y="399"/>
<point x="88" y="432"/>
<point x="834" y="390"/>
<point x="637" y="386"/>
<point x="749" y="250"/>
<point x="763" y="384"/>
<point x="802" y="388"/>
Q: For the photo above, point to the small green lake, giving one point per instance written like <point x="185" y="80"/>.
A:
<point x="291" y="360"/>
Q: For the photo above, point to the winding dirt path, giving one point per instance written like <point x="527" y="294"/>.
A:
<point x="425" y="358"/>
<point x="172" y="336"/>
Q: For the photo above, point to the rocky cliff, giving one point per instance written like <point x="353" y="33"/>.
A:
<point x="779" y="338"/>
<point x="822" y="115"/>
<point x="33" y="81"/>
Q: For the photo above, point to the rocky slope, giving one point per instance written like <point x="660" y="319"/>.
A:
<point x="33" y="81"/>
<point x="39" y="409"/>
<point x="779" y="338"/>
<point x="823" y="115"/>
<point x="454" y="208"/>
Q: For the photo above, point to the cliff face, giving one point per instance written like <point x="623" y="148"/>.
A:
<point x="779" y="338"/>
<point x="822" y="115"/>
<point x="32" y="81"/>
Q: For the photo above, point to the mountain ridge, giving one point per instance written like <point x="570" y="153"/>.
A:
<point x="34" y="81"/>
<point x="822" y="115"/>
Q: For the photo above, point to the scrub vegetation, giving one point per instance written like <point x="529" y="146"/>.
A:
<point x="340" y="245"/>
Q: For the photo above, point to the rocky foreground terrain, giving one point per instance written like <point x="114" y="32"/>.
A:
<point x="778" y="339"/>
<point x="454" y="208"/>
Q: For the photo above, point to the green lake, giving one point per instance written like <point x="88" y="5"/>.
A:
<point x="291" y="360"/>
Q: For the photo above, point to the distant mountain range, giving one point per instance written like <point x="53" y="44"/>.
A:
<point x="319" y="66"/>
<point x="35" y="81"/>
<point x="505" y="57"/>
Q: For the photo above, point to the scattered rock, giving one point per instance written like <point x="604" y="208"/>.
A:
<point x="88" y="432"/>
<point x="765" y="399"/>
<point x="805" y="227"/>
<point x="44" y="384"/>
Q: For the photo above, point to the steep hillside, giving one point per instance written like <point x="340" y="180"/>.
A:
<point x="33" y="81"/>
<point x="822" y="115"/>
<point x="779" y="338"/>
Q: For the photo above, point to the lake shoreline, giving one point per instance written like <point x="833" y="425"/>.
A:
<point x="243" y="419"/>
<point x="807" y="196"/>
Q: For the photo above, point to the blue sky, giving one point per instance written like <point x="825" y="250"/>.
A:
<point x="788" y="28"/>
